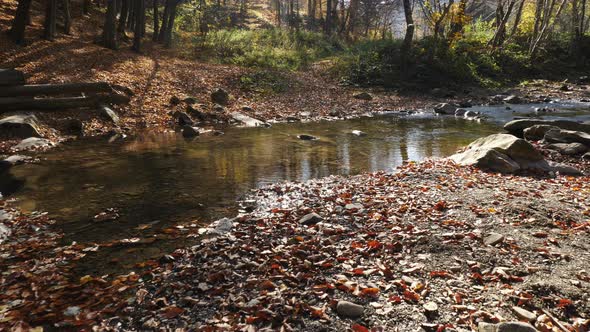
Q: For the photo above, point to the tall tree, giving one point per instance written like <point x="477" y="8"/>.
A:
<point x="67" y="16"/>
<point x="109" y="37"/>
<point x="139" y="24"/>
<point x="50" y="20"/>
<point x="17" y="32"/>
<point x="409" y="37"/>
<point x="156" y="27"/>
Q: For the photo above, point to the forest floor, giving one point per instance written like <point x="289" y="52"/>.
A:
<point x="432" y="246"/>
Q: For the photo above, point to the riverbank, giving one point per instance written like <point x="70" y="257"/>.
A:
<point x="434" y="245"/>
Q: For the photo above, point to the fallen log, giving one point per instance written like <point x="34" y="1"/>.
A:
<point x="54" y="89"/>
<point x="11" y="77"/>
<point x="53" y="104"/>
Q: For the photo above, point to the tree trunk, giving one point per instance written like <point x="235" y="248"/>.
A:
<point x="170" y="27"/>
<point x="409" y="37"/>
<point x="50" y="19"/>
<point x="109" y="29"/>
<point x="517" y="19"/>
<point x="165" y="18"/>
<point x="86" y="7"/>
<point x="17" y="32"/>
<point x="156" y="27"/>
<point x="52" y="89"/>
<point x="328" y="23"/>
<point x="139" y="24"/>
<point x="123" y="17"/>
<point x="57" y="104"/>
<point x="352" y="11"/>
<point x="67" y="16"/>
<point x="500" y="34"/>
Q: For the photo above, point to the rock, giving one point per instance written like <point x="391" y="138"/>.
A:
<point x="19" y="126"/>
<point x="72" y="311"/>
<point x="349" y="309"/>
<point x="466" y="104"/>
<point x="306" y="137"/>
<point x="354" y="206"/>
<point x="568" y="148"/>
<point x="431" y="307"/>
<point x="183" y="119"/>
<point x="108" y="114"/>
<point x="567" y="136"/>
<point x="486" y="327"/>
<point x="502" y="153"/>
<point x="174" y="100"/>
<point x="190" y="100"/>
<point x="292" y="119"/>
<point x="189" y="131"/>
<point x="515" y="327"/>
<point x="11" y="161"/>
<point x="248" y="121"/>
<point x="584" y="100"/>
<point x="516" y="127"/>
<point x="363" y="96"/>
<point x="565" y="87"/>
<point x="512" y="99"/>
<point x="586" y="156"/>
<point x="218" y="108"/>
<point x="74" y="127"/>
<point x="33" y="143"/>
<point x="194" y="111"/>
<point x="4" y="231"/>
<point x="537" y="132"/>
<point x="584" y="80"/>
<point x="359" y="133"/>
<point x="565" y="169"/>
<point x="460" y="112"/>
<point x="221" y="226"/>
<point x="310" y="219"/>
<point x="524" y="314"/>
<point x="220" y="97"/>
<point x="247" y="108"/>
<point x="444" y="108"/>
<point x="470" y="114"/>
<point x="493" y="239"/>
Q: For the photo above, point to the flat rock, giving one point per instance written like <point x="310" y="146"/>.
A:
<point x="568" y="148"/>
<point x="564" y="169"/>
<point x="354" y="206"/>
<point x="310" y="219"/>
<point x="512" y="99"/>
<point x="567" y="136"/>
<point x="19" y="126"/>
<point x="221" y="226"/>
<point x="248" y="121"/>
<point x="524" y="314"/>
<point x="515" y="327"/>
<point x="349" y="309"/>
<point x="516" y="127"/>
<point x="33" y="143"/>
<point x="445" y="108"/>
<point x="493" y="239"/>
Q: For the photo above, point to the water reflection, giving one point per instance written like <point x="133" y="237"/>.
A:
<point x="162" y="179"/>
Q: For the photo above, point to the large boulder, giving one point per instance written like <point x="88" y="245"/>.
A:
<point x="537" y="132"/>
<point x="516" y="127"/>
<point x="502" y="153"/>
<point x="567" y="136"/>
<point x="19" y="126"/>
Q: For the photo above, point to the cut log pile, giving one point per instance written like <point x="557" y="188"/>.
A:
<point x="16" y="95"/>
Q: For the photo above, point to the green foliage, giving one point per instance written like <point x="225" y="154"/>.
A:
<point x="265" y="82"/>
<point x="266" y="48"/>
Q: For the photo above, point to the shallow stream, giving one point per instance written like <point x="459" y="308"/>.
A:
<point x="155" y="182"/>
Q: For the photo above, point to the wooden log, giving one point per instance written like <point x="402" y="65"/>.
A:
<point x="54" y="89"/>
<point x="56" y="104"/>
<point x="11" y="77"/>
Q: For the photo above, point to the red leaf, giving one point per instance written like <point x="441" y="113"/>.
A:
<point x="359" y="328"/>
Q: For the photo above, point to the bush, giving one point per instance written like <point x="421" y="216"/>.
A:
<point x="267" y="48"/>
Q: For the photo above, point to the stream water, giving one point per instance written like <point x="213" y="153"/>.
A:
<point x="157" y="181"/>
